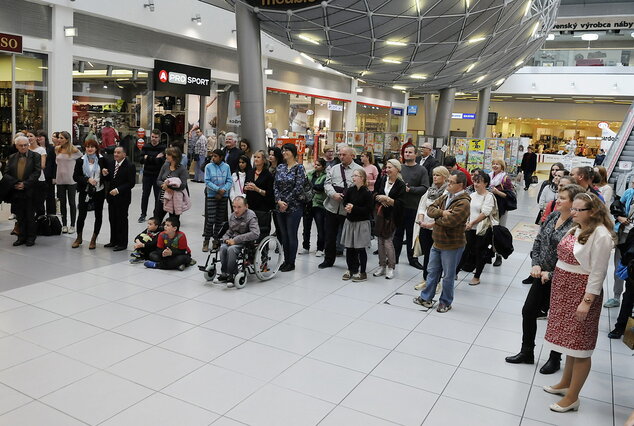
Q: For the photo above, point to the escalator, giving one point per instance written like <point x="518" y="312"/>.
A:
<point x="619" y="160"/>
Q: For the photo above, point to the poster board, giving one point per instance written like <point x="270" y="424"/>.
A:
<point x="460" y="146"/>
<point x="358" y="142"/>
<point x="476" y="154"/>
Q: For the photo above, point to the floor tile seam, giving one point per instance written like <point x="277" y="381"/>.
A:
<point x="296" y="303"/>
<point x="51" y="407"/>
<point x="234" y="335"/>
<point x="478" y="405"/>
<point x="448" y="338"/>
<point x="138" y="402"/>
<point x="30" y="359"/>
<point x="30" y="400"/>
<point x="158" y="346"/>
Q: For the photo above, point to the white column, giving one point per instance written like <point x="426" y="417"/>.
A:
<point x="60" y="75"/>
<point x="351" y="108"/>
<point x="403" y="127"/>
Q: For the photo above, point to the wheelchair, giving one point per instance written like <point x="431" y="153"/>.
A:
<point x="262" y="257"/>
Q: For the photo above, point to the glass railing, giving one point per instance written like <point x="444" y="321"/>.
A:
<point x="582" y="58"/>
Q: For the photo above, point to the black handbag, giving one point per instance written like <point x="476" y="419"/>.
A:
<point x="617" y="208"/>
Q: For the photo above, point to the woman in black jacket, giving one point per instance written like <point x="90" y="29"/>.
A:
<point x="259" y="190"/>
<point x="387" y="193"/>
<point x="357" y="231"/>
<point x="87" y="175"/>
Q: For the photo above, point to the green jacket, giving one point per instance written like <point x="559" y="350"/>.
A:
<point x="318" y="187"/>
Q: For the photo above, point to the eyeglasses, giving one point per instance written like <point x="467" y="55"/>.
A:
<point x="579" y="210"/>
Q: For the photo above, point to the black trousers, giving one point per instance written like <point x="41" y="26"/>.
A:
<point x="169" y="262"/>
<point x="528" y="177"/>
<point x="474" y="256"/>
<point x="626" y="305"/>
<point x="98" y="199"/>
<point x="357" y="259"/>
<point x="51" y="205"/>
<point x="39" y="198"/>
<point x="118" y="218"/>
<point x="537" y="299"/>
<point x="159" y="212"/>
<point x="333" y="222"/>
<point x="25" y="216"/>
<point x="426" y="242"/>
<point x="407" y="228"/>
<point x="149" y="184"/>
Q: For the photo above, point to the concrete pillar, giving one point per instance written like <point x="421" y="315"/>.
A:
<point x="430" y="113"/>
<point x="250" y="74"/>
<point x="442" y="124"/>
<point x="351" y="108"/>
<point x="482" y="113"/>
<point x="60" y="76"/>
<point x="403" y="127"/>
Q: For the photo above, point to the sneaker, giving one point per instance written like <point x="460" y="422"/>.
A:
<point x="12" y="217"/>
<point x="230" y="283"/>
<point x="346" y="276"/>
<point x="135" y="254"/>
<point x="141" y="218"/>
<point x="424" y="303"/>
<point x="192" y="262"/>
<point x="474" y="281"/>
<point x="612" y="303"/>
<point x="319" y="253"/>
<point x="71" y="229"/>
<point x="182" y="267"/>
<point x="442" y="308"/>
<point x="422" y="286"/>
<point x="361" y="276"/>
<point x="136" y="260"/>
<point x="389" y="273"/>
<point x="303" y="251"/>
<point x="150" y="264"/>
<point x="222" y="278"/>
<point x="64" y="229"/>
<point x="379" y="272"/>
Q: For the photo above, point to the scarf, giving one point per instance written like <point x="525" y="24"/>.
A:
<point x="95" y="173"/>
<point x="434" y="192"/>
<point x="497" y="179"/>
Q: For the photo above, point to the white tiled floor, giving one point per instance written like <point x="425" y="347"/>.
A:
<point x="108" y="343"/>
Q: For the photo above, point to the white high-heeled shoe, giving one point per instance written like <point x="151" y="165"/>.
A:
<point x="554" y="391"/>
<point x="559" y="409"/>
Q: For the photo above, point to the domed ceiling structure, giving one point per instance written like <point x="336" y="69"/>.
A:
<point x="417" y="45"/>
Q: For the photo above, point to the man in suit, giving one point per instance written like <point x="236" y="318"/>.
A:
<point x="23" y="170"/>
<point x="120" y="177"/>
<point x="427" y="160"/>
<point x="528" y="166"/>
<point x="231" y="152"/>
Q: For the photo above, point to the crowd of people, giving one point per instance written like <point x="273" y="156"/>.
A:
<point x="455" y="219"/>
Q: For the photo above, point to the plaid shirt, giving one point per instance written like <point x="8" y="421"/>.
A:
<point x="449" y="232"/>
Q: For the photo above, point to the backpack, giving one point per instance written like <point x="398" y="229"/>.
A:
<point x="48" y="225"/>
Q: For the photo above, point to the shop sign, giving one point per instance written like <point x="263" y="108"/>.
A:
<point x="282" y="4"/>
<point x="235" y="121"/>
<point x="178" y="79"/>
<point x="462" y="116"/>
<point x="335" y="107"/>
<point x="594" y="23"/>
<point x="467" y="116"/>
<point x="397" y="111"/>
<point x="10" y="43"/>
<point x="412" y="109"/>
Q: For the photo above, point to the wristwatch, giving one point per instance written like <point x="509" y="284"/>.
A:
<point x="587" y="300"/>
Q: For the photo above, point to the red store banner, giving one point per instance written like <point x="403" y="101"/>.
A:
<point x="10" y="43"/>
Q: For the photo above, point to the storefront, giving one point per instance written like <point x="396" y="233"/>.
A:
<point x="553" y="136"/>
<point x="378" y="118"/>
<point x="23" y="90"/>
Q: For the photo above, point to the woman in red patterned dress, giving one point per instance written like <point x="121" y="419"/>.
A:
<point x="577" y="294"/>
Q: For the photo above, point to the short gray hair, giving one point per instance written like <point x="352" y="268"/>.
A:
<point x="21" y="138"/>
<point x="232" y="135"/>
<point x="426" y="145"/>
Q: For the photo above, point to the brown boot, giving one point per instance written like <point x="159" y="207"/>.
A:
<point x="93" y="242"/>
<point x="206" y="245"/>
<point x="77" y="241"/>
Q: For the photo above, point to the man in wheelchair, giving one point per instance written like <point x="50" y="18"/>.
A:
<point x="243" y="228"/>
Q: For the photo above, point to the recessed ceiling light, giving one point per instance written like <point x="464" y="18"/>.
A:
<point x="268" y="71"/>
<point x="399" y="87"/>
<point x="476" y="39"/>
<point x="470" y="67"/>
<point x="308" y="39"/>
<point x="395" y="43"/>
<point x="391" y="61"/>
<point x="479" y="79"/>
<point x="590" y="37"/>
<point x="419" y="76"/>
<point x="460" y="93"/>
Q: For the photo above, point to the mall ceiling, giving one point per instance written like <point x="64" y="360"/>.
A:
<point x="416" y="45"/>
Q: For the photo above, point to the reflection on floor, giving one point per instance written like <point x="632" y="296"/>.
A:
<point x="86" y="338"/>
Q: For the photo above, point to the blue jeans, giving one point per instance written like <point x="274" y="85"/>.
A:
<point x="289" y="226"/>
<point x="439" y="261"/>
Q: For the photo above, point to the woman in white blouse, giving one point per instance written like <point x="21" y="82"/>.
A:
<point x="483" y="216"/>
<point x="239" y="177"/>
<point x="576" y="295"/>
<point x="601" y="180"/>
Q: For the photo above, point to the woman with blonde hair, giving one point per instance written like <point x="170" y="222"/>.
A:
<point x="576" y="295"/>
<point x="601" y="181"/>
<point x="66" y="154"/>
<point x="424" y="224"/>
<point x="356" y="232"/>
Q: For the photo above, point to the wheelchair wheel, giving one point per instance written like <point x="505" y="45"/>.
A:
<point x="240" y="280"/>
<point x="268" y="258"/>
<point x="210" y="272"/>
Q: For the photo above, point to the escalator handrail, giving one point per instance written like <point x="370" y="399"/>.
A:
<point x="624" y="133"/>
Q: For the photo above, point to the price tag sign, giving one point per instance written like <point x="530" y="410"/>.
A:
<point x="625" y="165"/>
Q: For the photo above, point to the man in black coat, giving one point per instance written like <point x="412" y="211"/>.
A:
<point x="427" y="160"/>
<point x="120" y="177"/>
<point x="231" y="152"/>
<point x="24" y="169"/>
<point x="152" y="158"/>
<point x="529" y="165"/>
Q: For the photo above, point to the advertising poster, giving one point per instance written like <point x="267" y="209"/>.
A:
<point x="476" y="154"/>
<point x="358" y="142"/>
<point x="369" y="142"/>
<point x="379" y="140"/>
<point x="460" y="151"/>
<point x="350" y="138"/>
<point x="491" y="147"/>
